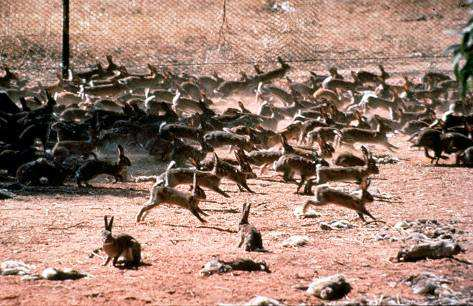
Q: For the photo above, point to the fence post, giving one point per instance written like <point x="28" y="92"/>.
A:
<point x="65" y="38"/>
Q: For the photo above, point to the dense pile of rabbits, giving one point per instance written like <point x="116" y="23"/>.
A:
<point x="51" y="135"/>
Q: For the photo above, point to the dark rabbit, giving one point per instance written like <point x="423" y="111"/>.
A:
<point x="466" y="158"/>
<point x="94" y="168"/>
<point x="250" y="236"/>
<point x="41" y="172"/>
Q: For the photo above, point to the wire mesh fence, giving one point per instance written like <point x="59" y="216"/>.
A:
<point x="200" y="35"/>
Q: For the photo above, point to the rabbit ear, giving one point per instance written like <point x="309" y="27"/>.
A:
<point x="365" y="152"/>
<point x="110" y="224"/>
<point x="214" y="169"/>
<point x="283" y="139"/>
<point x="120" y="150"/>
<point x="194" y="183"/>
<point x="105" y="220"/>
<point x="247" y="212"/>
<point x="237" y="156"/>
<point x="244" y="216"/>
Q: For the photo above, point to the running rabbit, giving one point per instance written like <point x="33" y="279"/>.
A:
<point x="166" y="194"/>
<point x="94" y="168"/>
<point x="325" y="195"/>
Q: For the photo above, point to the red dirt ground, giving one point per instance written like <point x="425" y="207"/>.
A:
<point x="58" y="229"/>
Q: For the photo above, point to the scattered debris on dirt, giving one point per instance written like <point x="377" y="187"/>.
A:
<point x="385" y="159"/>
<point x="421" y="231"/>
<point x="218" y="266"/>
<point x="296" y="241"/>
<point x="310" y="213"/>
<point x="14" y="267"/>
<point x="432" y="229"/>
<point x="263" y="301"/>
<point x="337" y="224"/>
<point x="330" y="287"/>
<point x="280" y="7"/>
<point x="427" y="283"/>
<point x="431" y="250"/>
<point x="423" y="17"/>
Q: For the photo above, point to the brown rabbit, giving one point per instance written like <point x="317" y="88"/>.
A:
<point x="120" y="246"/>
<point x="165" y="194"/>
<point x="224" y="169"/>
<point x="250" y="236"/>
<point x="350" y="135"/>
<point x="325" y="195"/>
<point x="337" y="174"/>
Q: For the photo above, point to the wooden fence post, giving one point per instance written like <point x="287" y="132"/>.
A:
<point x="65" y="38"/>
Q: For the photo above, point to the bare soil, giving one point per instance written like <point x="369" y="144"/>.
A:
<point x="61" y="227"/>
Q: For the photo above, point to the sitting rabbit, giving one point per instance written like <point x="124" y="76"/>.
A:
<point x="120" y="246"/>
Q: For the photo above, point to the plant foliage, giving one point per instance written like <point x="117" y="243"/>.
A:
<point x="463" y="58"/>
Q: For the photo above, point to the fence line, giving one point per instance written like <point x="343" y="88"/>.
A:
<point x="194" y="34"/>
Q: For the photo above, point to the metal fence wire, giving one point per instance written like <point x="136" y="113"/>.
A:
<point x="215" y="34"/>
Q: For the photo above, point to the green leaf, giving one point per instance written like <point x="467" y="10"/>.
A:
<point x="452" y="49"/>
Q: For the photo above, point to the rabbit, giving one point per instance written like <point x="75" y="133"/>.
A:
<point x="41" y="172"/>
<point x="208" y="83"/>
<point x="184" y="105"/>
<point x="300" y="88"/>
<point x="334" y="174"/>
<point x="363" y="77"/>
<point x="431" y="139"/>
<point x="239" y="175"/>
<point x="179" y="176"/>
<point x="93" y="168"/>
<point x="323" y="132"/>
<point x="291" y="164"/>
<point x="262" y="158"/>
<point x="120" y="246"/>
<point x="271" y="75"/>
<point x="350" y="136"/>
<point x="165" y="194"/>
<point x="170" y="130"/>
<point x="340" y="85"/>
<point x="347" y="159"/>
<point x="182" y="152"/>
<point x="465" y="158"/>
<point x="325" y="195"/>
<point x="217" y="139"/>
<point x="250" y="236"/>
<point x="80" y="147"/>
<point x="227" y="88"/>
<point x="308" y="153"/>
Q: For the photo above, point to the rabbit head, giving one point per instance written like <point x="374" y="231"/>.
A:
<point x="122" y="159"/>
<point x="107" y="231"/>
